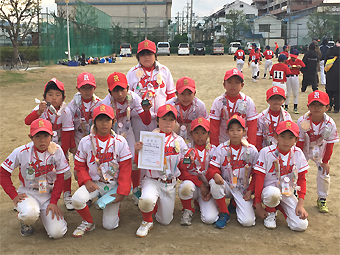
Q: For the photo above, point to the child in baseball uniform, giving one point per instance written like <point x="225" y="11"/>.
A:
<point x="123" y="101"/>
<point x="318" y="133"/>
<point x="188" y="107"/>
<point x="103" y="162"/>
<point x="268" y="63"/>
<point x="269" y="118"/>
<point x="159" y="187"/>
<point x="279" y="171"/>
<point x="229" y="173"/>
<point x="280" y="72"/>
<point x="152" y="82"/>
<point x="42" y="165"/>
<point x="253" y="62"/>
<point x="195" y="185"/>
<point x="54" y="109"/>
<point x="233" y="101"/>
<point x="293" y="85"/>
<point x="239" y="57"/>
<point x="285" y="51"/>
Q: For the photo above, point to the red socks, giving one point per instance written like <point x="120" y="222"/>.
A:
<point x="85" y="214"/>
<point x="222" y="205"/>
<point x="135" y="176"/>
<point x="67" y="185"/>
<point x="187" y="205"/>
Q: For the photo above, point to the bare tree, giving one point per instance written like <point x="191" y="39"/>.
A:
<point x="17" y="18"/>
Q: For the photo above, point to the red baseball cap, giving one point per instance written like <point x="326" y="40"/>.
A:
<point x="39" y="125"/>
<point x="185" y="83"/>
<point x="319" y="96"/>
<point x="59" y="84"/>
<point x="146" y="45"/>
<point x="103" y="109"/>
<point x="233" y="72"/>
<point x="238" y="119"/>
<point x="275" y="90"/>
<point x="164" y="109"/>
<point x="117" y="79"/>
<point x="86" y="78"/>
<point x="200" y="122"/>
<point x="287" y="125"/>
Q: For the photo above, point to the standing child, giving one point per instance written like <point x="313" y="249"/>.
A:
<point x="239" y="57"/>
<point x="103" y="162"/>
<point x="293" y="85"/>
<point x="318" y="133"/>
<point x="195" y="185"/>
<point x="233" y="101"/>
<point x="268" y="55"/>
<point x="253" y="62"/>
<point x="268" y="120"/>
<point x="280" y="72"/>
<point x="188" y="106"/>
<point x="285" y="51"/>
<point x="159" y="187"/>
<point x="229" y="173"/>
<point x="54" y="109"/>
<point x="281" y="169"/>
<point x="42" y="165"/>
<point x="310" y="72"/>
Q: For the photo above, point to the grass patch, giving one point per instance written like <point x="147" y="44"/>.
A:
<point x="9" y="78"/>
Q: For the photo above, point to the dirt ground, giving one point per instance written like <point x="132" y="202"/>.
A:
<point x="17" y="100"/>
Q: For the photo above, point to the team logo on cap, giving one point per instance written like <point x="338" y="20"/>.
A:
<point x="275" y="90"/>
<point x="41" y="123"/>
<point x="288" y="125"/>
<point x="86" y="77"/>
<point x="316" y="95"/>
<point x="115" y="77"/>
<point x="146" y="44"/>
<point x="235" y="71"/>
<point x="186" y="82"/>
<point x="235" y="116"/>
<point x="168" y="107"/>
<point x="102" y="108"/>
<point x="54" y="80"/>
<point x="200" y="120"/>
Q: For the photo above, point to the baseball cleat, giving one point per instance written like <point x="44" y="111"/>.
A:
<point x="83" y="228"/>
<point x="231" y="206"/>
<point x="68" y="201"/>
<point x="26" y="230"/>
<point x="186" y="217"/>
<point x="144" y="229"/>
<point x="223" y="219"/>
<point x="322" y="205"/>
<point x="270" y="220"/>
<point x="296" y="111"/>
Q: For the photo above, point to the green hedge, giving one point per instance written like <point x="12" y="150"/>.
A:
<point x="30" y="53"/>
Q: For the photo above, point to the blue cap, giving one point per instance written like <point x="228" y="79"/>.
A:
<point x="294" y="53"/>
<point x="253" y="44"/>
<point x="239" y="47"/>
<point x="282" y="57"/>
<point x="284" y="47"/>
<point x="268" y="47"/>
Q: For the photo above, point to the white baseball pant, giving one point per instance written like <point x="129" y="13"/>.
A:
<point x="268" y="64"/>
<point x="254" y="69"/>
<point x="154" y="191"/>
<point x="323" y="182"/>
<point x="138" y="125"/>
<point x="322" y="71"/>
<point x="209" y="209"/>
<point x="281" y="85"/>
<point x="293" y="85"/>
<point x="244" y="209"/>
<point x="289" y="205"/>
<point x="34" y="206"/>
<point x="110" y="212"/>
<point x="239" y="64"/>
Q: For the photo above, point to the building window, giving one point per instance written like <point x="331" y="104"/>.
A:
<point x="264" y="27"/>
<point x="250" y="16"/>
<point x="241" y="5"/>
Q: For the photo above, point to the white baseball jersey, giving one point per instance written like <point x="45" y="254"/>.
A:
<point x="159" y="82"/>
<point x="115" y="149"/>
<point x="317" y="136"/>
<point x="45" y="163"/>
<point x="267" y="123"/>
<point x="270" y="154"/>
<point x="222" y="109"/>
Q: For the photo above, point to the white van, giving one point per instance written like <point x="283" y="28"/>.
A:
<point x="125" y="50"/>
<point x="233" y="47"/>
<point x="183" y="49"/>
<point x="163" y="48"/>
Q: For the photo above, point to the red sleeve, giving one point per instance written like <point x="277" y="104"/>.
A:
<point x="252" y="129"/>
<point x="300" y="144"/>
<point x="124" y="177"/>
<point x="212" y="170"/>
<point x="259" y="140"/>
<point x="215" y="132"/>
<point x="259" y="181"/>
<point x="67" y="140"/>
<point x="7" y="184"/>
<point x="169" y="96"/>
<point x="30" y="117"/>
<point x="185" y="175"/>
<point x="302" y="183"/>
<point x="145" y="117"/>
<point x="82" y="172"/>
<point x="136" y="158"/>
<point x="328" y="152"/>
<point x="252" y="182"/>
<point x="57" y="189"/>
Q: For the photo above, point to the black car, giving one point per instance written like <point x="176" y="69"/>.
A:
<point x="199" y="49"/>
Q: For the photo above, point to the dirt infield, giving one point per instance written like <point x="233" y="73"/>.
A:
<point x="17" y="100"/>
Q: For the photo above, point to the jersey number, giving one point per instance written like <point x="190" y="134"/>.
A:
<point x="240" y="53"/>
<point x="278" y="75"/>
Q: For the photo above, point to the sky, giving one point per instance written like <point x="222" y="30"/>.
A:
<point x="201" y="7"/>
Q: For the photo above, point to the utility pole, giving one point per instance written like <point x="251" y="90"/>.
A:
<point x="38" y="10"/>
<point x="145" y="10"/>
<point x="187" y="18"/>
<point x="68" y="31"/>
<point x="182" y="22"/>
<point x="191" y="10"/>
<point x="178" y="22"/>
<point x="289" y="13"/>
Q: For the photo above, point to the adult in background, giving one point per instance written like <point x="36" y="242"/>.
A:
<point x="317" y="49"/>
<point x="323" y="48"/>
<point x="276" y="50"/>
<point x="311" y="60"/>
<point x="333" y="77"/>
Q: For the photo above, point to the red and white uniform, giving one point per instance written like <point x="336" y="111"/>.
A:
<point x="285" y="53"/>
<point x="49" y="169"/>
<point x="255" y="59"/>
<point x="268" y="63"/>
<point x="279" y="72"/>
<point x="317" y="143"/>
<point x="191" y="178"/>
<point x="267" y="122"/>
<point x="266" y="175"/>
<point x="234" y="163"/>
<point x="223" y="108"/>
<point x="81" y="111"/>
<point x="293" y="80"/>
<point x="112" y="149"/>
<point x="239" y="56"/>
<point x="159" y="82"/>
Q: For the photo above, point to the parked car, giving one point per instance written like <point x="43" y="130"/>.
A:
<point x="183" y="49"/>
<point x="163" y="48"/>
<point x="199" y="49"/>
<point x="218" y="49"/>
<point x="233" y="47"/>
<point x="248" y="47"/>
<point x="125" y="50"/>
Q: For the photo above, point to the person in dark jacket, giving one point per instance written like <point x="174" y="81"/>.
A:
<point x="311" y="60"/>
<point x="323" y="48"/>
<point x="333" y="77"/>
